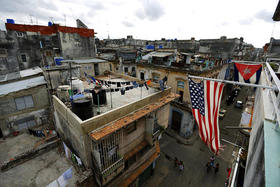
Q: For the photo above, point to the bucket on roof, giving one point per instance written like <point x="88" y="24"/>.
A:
<point x="99" y="96"/>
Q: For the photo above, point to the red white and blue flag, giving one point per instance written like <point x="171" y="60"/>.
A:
<point x="206" y="98"/>
<point x="249" y="73"/>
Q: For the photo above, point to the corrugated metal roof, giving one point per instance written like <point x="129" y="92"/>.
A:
<point x="21" y="74"/>
<point x="156" y="54"/>
<point x="21" y="85"/>
<point x="84" y="61"/>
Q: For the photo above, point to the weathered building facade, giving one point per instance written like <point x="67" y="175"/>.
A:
<point x="121" y="142"/>
<point x="24" y="101"/>
<point x="36" y="45"/>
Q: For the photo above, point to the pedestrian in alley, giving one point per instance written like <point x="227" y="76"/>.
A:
<point x="212" y="160"/>
<point x="208" y="167"/>
<point x="176" y="162"/>
<point x="181" y="166"/>
<point x="217" y="168"/>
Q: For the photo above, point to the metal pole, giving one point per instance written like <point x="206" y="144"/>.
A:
<point x="110" y="92"/>
<point x="233" y="127"/>
<point x="72" y="92"/>
<point x="232" y="82"/>
<point x="98" y="103"/>
<point x="141" y="93"/>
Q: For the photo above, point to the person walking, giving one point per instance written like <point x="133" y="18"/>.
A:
<point x="212" y="160"/>
<point x="176" y="162"/>
<point x="181" y="166"/>
<point x="217" y="168"/>
<point x="208" y="167"/>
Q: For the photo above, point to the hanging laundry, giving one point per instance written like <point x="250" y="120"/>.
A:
<point x="117" y="89"/>
<point x="112" y="89"/>
<point x="102" y="82"/>
<point x="109" y="82"/>
<point x="146" y="86"/>
<point x="67" y="174"/>
<point x="127" y="88"/>
<point x="131" y="87"/>
<point x="106" y="84"/>
<point x="118" y="84"/>
<point x="114" y="83"/>
<point x="122" y="91"/>
<point x="165" y="79"/>
<point x="127" y="83"/>
<point x="122" y="82"/>
<point x="148" y="82"/>
<point x="161" y="85"/>
<point x="79" y="161"/>
<point x="135" y="85"/>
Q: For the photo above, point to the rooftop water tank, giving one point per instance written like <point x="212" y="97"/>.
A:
<point x="50" y="24"/>
<point x="82" y="108"/>
<point x="11" y="21"/>
<point x="99" y="96"/>
<point x="78" y="85"/>
<point x="63" y="92"/>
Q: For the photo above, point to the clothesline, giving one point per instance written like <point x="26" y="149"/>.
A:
<point x="232" y="82"/>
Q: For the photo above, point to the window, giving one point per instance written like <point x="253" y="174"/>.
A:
<point x="125" y="69"/>
<point x="24" y="102"/>
<point x="25" y="123"/>
<point x="180" y="90"/>
<point x="23" y="58"/>
<point x="130" y="128"/>
<point x="19" y="34"/>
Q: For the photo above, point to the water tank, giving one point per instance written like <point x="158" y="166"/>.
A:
<point x="11" y="21"/>
<point x="82" y="108"/>
<point x="99" y="94"/>
<point x="50" y="24"/>
<point x="78" y="85"/>
<point x="63" y="92"/>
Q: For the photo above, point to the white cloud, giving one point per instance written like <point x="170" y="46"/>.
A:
<point x="154" y="19"/>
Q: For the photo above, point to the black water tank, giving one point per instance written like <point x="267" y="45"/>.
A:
<point x="82" y="108"/>
<point x="102" y="97"/>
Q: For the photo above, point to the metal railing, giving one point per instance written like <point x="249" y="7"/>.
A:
<point x="275" y="95"/>
<point x="108" y="171"/>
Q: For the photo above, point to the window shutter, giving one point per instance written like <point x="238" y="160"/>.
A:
<point x="20" y="103"/>
<point x="28" y="101"/>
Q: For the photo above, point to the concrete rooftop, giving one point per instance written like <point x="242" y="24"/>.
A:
<point x="119" y="100"/>
<point x="39" y="171"/>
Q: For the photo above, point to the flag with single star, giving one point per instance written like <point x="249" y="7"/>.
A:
<point x="249" y="73"/>
<point x="205" y="99"/>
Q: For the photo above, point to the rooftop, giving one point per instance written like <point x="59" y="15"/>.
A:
<point x="114" y="98"/>
<point x="156" y="54"/>
<point x="85" y="61"/>
<point x="21" y="85"/>
<point x="20" y="74"/>
<point x="118" y="124"/>
<point x="39" y="171"/>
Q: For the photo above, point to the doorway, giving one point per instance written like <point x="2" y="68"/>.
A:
<point x="96" y="69"/>
<point x="142" y="76"/>
<point x="176" y="121"/>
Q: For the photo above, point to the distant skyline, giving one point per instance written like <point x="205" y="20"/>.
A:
<point x="154" y="19"/>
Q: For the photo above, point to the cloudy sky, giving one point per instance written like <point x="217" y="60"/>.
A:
<point x="154" y="19"/>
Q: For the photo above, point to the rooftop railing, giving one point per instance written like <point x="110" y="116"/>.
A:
<point x="274" y="94"/>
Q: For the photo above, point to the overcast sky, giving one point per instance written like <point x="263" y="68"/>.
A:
<point x="154" y="19"/>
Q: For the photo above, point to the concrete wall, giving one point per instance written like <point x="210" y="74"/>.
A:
<point x="89" y="68"/>
<point x="9" y="112"/>
<point x="73" y="45"/>
<point x="187" y="122"/>
<point x="134" y="138"/>
<point x="254" y="173"/>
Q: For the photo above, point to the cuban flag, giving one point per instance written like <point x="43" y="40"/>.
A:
<point x="249" y="73"/>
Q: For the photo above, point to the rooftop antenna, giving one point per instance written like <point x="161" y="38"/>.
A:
<point x="31" y="20"/>
<point x="64" y="16"/>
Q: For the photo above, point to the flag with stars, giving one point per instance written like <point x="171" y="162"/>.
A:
<point x="206" y="98"/>
<point x="249" y="73"/>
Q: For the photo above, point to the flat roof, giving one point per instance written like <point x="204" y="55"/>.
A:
<point x="156" y="54"/>
<point x="84" y="61"/>
<point x="21" y="85"/>
<point x="118" y="124"/>
<point x="39" y="171"/>
<point x="20" y="74"/>
<point x="115" y="97"/>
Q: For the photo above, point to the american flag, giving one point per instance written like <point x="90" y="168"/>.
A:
<point x="206" y="99"/>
